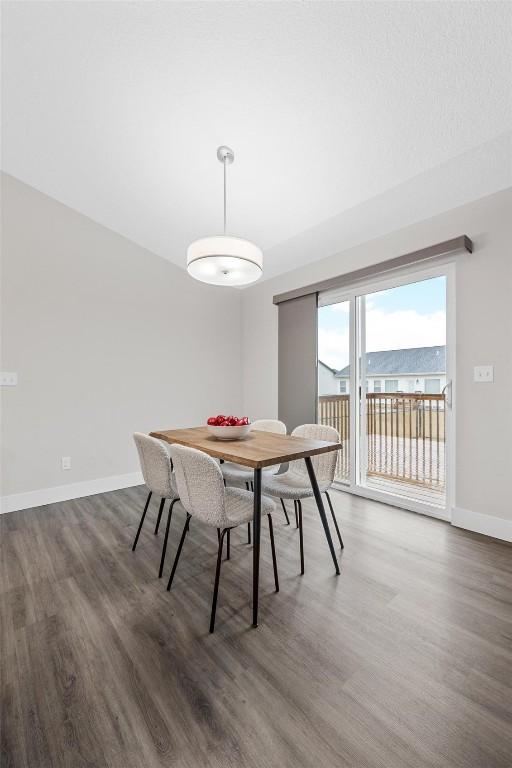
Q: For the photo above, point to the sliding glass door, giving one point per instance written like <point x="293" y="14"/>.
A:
<point x="385" y="383"/>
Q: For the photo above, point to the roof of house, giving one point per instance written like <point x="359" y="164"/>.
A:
<point x="402" y="361"/>
<point x="332" y="370"/>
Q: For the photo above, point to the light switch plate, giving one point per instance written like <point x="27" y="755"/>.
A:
<point x="483" y="374"/>
<point x="8" y="379"/>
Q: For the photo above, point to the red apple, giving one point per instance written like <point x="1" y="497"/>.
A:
<point x="212" y="421"/>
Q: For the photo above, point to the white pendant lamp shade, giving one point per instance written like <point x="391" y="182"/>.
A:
<point x="224" y="260"/>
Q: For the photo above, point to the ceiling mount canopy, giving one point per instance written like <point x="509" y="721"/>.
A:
<point x="224" y="259"/>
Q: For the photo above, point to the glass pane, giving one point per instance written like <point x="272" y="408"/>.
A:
<point x="334" y="378"/>
<point x="433" y="386"/>
<point x="405" y="344"/>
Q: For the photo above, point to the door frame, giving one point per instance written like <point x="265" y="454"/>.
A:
<point x="356" y="294"/>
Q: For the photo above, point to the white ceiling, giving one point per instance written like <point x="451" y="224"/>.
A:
<point x="116" y="109"/>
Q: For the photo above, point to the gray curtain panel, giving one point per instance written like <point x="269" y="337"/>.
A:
<point x="297" y="338"/>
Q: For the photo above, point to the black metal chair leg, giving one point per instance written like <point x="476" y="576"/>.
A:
<point x="160" y="510"/>
<point x="296" y="514"/>
<point x="217" y="578"/>
<point x="141" y="521"/>
<point x="285" y="512"/>
<point x="228" y="545"/>
<point x="334" y="520"/>
<point x="273" y="548"/>
<point x="178" y="553"/>
<point x="248" y="488"/>
<point x="166" y="537"/>
<point x="301" y="538"/>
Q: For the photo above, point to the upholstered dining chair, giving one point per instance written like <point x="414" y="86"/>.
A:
<point x="158" y="476"/>
<point x="205" y="498"/>
<point x="294" y="484"/>
<point x="236" y="474"/>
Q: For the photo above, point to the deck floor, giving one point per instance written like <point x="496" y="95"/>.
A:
<point x="412" y="469"/>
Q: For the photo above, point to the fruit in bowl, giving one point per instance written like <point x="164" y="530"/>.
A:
<point x="228" y="427"/>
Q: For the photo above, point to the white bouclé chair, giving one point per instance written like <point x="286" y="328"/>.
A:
<point x="159" y="479"/>
<point x="206" y="499"/>
<point x="294" y="484"/>
<point x="236" y="474"/>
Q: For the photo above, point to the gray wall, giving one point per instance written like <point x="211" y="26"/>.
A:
<point x="483" y="327"/>
<point x="107" y="338"/>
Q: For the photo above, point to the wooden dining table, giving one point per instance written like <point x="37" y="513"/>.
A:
<point x="258" y="450"/>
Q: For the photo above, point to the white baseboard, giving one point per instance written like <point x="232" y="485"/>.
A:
<point x="65" y="492"/>
<point x="489" y="525"/>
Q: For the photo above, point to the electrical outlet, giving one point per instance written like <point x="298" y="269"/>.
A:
<point x="483" y="374"/>
<point x="8" y="379"/>
<point x="66" y="462"/>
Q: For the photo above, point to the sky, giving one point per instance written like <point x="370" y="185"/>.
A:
<point x="412" y="315"/>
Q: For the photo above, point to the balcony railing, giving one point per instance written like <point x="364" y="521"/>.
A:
<point x="405" y="437"/>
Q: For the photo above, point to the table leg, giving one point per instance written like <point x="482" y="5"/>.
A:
<point x="321" y="510"/>
<point x="256" y="535"/>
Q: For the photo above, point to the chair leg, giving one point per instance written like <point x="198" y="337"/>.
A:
<point x="285" y="512"/>
<point x="217" y="578"/>
<point x="247" y="488"/>
<point x="166" y="537"/>
<point x="142" y="520"/>
<point x="296" y="514"/>
<point x="160" y="510"/>
<point x="178" y="553"/>
<point x="273" y="548"/>
<point x="334" y="520"/>
<point x="228" y="544"/>
<point x="301" y="538"/>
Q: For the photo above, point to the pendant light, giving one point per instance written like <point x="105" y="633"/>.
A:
<point x="224" y="259"/>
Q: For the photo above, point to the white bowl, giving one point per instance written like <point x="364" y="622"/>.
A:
<point x="229" y="433"/>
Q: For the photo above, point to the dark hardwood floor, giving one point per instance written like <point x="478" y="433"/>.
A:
<point x="403" y="661"/>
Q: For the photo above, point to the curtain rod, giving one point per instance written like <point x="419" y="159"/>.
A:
<point x="439" y="249"/>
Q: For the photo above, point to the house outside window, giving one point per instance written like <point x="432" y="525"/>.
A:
<point x="432" y="386"/>
<point x="391" y="385"/>
<point x="343" y="387"/>
<point x="377" y="385"/>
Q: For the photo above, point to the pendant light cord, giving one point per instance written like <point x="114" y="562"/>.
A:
<point x="224" y="164"/>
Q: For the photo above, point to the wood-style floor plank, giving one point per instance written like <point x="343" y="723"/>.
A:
<point x="404" y="661"/>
